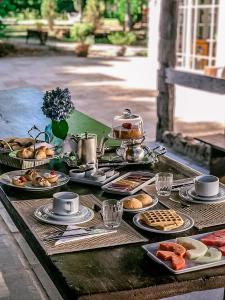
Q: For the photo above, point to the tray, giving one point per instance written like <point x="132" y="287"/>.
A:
<point x="87" y="180"/>
<point x="190" y="265"/>
<point x="109" y="189"/>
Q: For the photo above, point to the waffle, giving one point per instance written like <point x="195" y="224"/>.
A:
<point x="162" y="219"/>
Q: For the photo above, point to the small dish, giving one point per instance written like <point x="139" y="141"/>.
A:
<point x="183" y="193"/>
<point x="77" y="173"/>
<point x="98" y="176"/>
<point x="108" y="172"/>
<point x="137" y="210"/>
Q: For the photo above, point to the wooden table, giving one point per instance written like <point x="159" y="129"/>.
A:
<point x="119" y="272"/>
<point x="217" y="158"/>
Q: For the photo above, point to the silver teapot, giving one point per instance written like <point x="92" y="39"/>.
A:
<point x="85" y="147"/>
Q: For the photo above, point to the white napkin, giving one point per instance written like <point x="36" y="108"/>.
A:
<point x="72" y="229"/>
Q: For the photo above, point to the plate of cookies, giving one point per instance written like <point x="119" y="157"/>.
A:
<point x="139" y="202"/>
<point x="166" y="221"/>
<point x="31" y="154"/>
<point x="34" y="180"/>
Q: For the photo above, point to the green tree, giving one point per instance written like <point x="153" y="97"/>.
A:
<point x="48" y="11"/>
<point x="93" y="12"/>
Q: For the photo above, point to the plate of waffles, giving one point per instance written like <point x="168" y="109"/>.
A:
<point x="165" y="221"/>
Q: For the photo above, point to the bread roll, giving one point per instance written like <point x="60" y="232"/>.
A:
<point x="132" y="203"/>
<point x="40" y="154"/>
<point x="30" y="174"/>
<point x="145" y="199"/>
<point x="49" y="152"/>
<point x="40" y="181"/>
<point x="26" y="153"/>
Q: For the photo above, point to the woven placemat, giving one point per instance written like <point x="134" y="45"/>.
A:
<point x="204" y="215"/>
<point x="124" y="235"/>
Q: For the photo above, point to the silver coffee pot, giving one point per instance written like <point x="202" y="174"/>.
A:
<point x="86" y="147"/>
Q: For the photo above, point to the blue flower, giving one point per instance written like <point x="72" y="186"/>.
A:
<point x="57" y="104"/>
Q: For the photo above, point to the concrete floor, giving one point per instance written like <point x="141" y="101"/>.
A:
<point x="102" y="87"/>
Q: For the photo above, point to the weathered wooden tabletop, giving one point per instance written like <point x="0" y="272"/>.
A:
<point x="119" y="272"/>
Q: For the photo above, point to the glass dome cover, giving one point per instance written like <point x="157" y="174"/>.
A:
<point x="127" y="126"/>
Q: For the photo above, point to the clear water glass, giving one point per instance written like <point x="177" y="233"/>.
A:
<point x="112" y="211"/>
<point x="163" y="183"/>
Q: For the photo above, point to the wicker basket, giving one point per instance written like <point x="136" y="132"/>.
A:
<point x="5" y="159"/>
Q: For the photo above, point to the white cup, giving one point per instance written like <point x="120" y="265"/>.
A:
<point x="207" y="185"/>
<point x="65" y="203"/>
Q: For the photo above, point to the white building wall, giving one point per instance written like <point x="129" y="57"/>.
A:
<point x="220" y="53"/>
<point x="153" y="38"/>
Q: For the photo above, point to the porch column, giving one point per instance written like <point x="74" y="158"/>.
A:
<point x="166" y="58"/>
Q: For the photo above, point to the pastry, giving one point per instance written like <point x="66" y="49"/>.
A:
<point x="19" y="180"/>
<point x="26" y="153"/>
<point x="162" y="219"/>
<point x="40" y="181"/>
<point x="145" y="199"/>
<point x="40" y="154"/>
<point x="50" y="152"/>
<point x="52" y="177"/>
<point x="127" y="131"/>
<point x="30" y="174"/>
<point x="132" y="203"/>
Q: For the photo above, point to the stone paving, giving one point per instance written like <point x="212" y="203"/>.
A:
<point x="102" y="87"/>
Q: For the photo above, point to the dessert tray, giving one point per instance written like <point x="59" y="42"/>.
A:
<point x="137" y="210"/>
<point x="45" y="214"/>
<point x="7" y="179"/>
<point x="191" y="265"/>
<point x="129" y="183"/>
<point x="14" y="143"/>
<point x="188" y="224"/>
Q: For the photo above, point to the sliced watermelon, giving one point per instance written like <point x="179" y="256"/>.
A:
<point x="174" y="247"/>
<point x="213" y="240"/>
<point x="177" y="261"/>
<point x="222" y="249"/>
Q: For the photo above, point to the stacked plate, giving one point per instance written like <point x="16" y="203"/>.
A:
<point x="189" y="194"/>
<point x="46" y="214"/>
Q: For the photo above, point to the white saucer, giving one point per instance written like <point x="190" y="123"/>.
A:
<point x="183" y="193"/>
<point x="192" y="193"/>
<point x="41" y="215"/>
<point x="47" y="209"/>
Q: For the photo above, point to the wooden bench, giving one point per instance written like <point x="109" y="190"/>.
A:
<point x="40" y="34"/>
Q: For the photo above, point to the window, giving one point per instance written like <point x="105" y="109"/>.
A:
<point x="196" y="36"/>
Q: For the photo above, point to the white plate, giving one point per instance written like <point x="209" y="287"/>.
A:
<point x="192" y="193"/>
<point x="43" y="217"/>
<point x="47" y="209"/>
<point x="6" y="179"/>
<point x="188" y="224"/>
<point x="137" y="210"/>
<point x="190" y="264"/>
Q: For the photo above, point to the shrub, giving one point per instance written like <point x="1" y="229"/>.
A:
<point x="81" y="32"/>
<point x="122" y="38"/>
<point x="93" y="12"/>
<point x="6" y="49"/>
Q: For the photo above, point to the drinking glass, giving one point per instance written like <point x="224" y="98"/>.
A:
<point x="163" y="183"/>
<point x="112" y="211"/>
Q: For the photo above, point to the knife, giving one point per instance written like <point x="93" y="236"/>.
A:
<point x="78" y="234"/>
